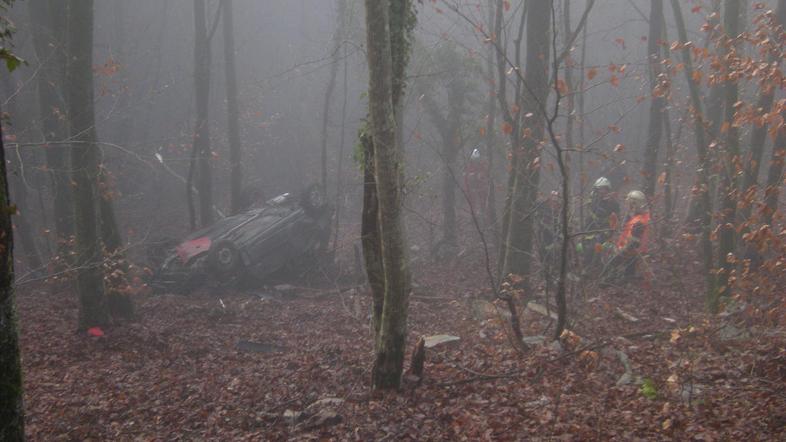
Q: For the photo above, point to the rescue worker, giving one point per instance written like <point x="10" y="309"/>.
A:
<point x="601" y="221"/>
<point x="633" y="240"/>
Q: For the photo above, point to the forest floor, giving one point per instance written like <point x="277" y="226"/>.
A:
<point x="641" y="364"/>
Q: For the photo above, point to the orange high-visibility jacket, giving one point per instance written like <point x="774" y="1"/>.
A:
<point x="627" y="231"/>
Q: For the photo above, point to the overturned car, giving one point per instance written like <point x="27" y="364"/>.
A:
<point x="282" y="234"/>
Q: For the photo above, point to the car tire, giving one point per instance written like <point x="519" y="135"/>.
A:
<point x="313" y="199"/>
<point x="224" y="259"/>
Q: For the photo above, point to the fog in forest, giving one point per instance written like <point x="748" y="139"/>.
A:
<point x="393" y="219"/>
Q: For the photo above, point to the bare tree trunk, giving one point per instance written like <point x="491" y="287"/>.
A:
<point x="649" y="169"/>
<point x="386" y="27"/>
<point x="49" y="39"/>
<point x="340" y="167"/>
<point x="331" y="85"/>
<point x="369" y="232"/>
<point x="775" y="174"/>
<point x="729" y="186"/>
<point x="582" y="181"/>
<point x="110" y="231"/>
<point x="233" y="111"/>
<point x="23" y="225"/>
<point x="668" y="182"/>
<point x="702" y="197"/>
<point x="449" y="128"/>
<point x="571" y="102"/>
<point x="84" y="165"/>
<point x="449" y="236"/>
<point x="204" y="181"/>
<point x="712" y="120"/>
<point x="526" y="174"/>
<point x="490" y="138"/>
<point x="759" y="132"/>
<point x="11" y="411"/>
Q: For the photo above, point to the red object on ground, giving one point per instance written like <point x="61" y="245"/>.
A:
<point x="95" y="331"/>
<point x="190" y="249"/>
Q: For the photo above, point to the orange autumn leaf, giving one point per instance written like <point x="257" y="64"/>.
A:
<point x="482" y="131"/>
<point x="591" y="73"/>
<point x="506" y="128"/>
<point x="619" y="147"/>
<point x="614" y="81"/>
<point x="562" y="87"/>
<point x="696" y="76"/>
<point x="598" y="247"/>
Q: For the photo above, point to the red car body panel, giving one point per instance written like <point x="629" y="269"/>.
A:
<point x="190" y="249"/>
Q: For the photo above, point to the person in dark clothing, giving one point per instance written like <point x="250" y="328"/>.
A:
<point x="601" y="221"/>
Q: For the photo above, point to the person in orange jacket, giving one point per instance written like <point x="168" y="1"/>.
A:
<point x="634" y="239"/>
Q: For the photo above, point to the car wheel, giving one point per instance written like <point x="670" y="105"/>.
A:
<point x="313" y="199"/>
<point x="224" y="259"/>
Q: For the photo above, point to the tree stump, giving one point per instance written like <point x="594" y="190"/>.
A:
<point x="418" y="358"/>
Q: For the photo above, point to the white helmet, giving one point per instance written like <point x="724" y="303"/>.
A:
<point x="602" y="182"/>
<point x="636" y="199"/>
<point x="475" y="155"/>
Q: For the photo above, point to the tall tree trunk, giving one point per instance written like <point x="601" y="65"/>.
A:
<point x="84" y="165"/>
<point x="759" y="133"/>
<point x="49" y="39"/>
<point x="11" y="412"/>
<point x="526" y="173"/>
<point x="204" y="181"/>
<point x="23" y="226"/>
<point x="571" y="102"/>
<point x="369" y="232"/>
<point x="668" y="171"/>
<point x="649" y="169"/>
<point x="582" y="181"/>
<point x="510" y="119"/>
<point x="491" y="147"/>
<point x="24" y="222"/>
<point x="775" y="174"/>
<point x="331" y="85"/>
<point x="702" y="195"/>
<point x="449" y="236"/>
<point x="233" y="111"/>
<point x="387" y="43"/>
<point x="449" y="128"/>
<point x="714" y="111"/>
<point x="729" y="187"/>
<point x="340" y="167"/>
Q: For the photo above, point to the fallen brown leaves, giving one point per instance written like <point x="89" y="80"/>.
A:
<point x="177" y="373"/>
